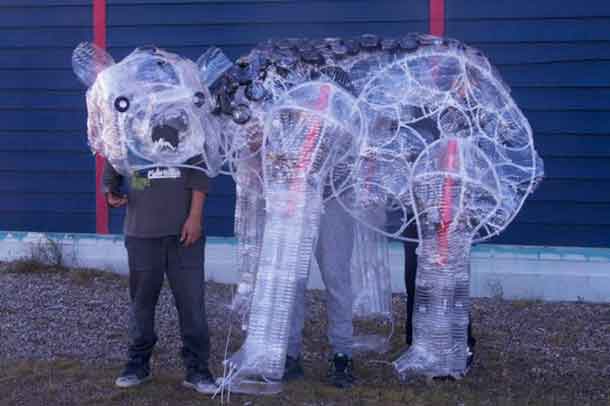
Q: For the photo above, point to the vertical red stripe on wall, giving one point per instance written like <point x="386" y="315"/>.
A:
<point x="99" y="38"/>
<point x="437" y="17"/>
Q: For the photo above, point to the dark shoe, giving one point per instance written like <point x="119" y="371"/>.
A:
<point x="135" y="373"/>
<point x="293" y="369"/>
<point x="340" y="371"/>
<point x="201" y="380"/>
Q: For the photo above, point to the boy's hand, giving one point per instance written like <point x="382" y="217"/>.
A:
<point x="115" y="201"/>
<point x="191" y="231"/>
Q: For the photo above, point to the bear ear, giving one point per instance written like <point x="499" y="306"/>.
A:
<point x="212" y="64"/>
<point x="88" y="60"/>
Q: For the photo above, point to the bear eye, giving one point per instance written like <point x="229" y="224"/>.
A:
<point x="121" y="104"/>
<point x="199" y="99"/>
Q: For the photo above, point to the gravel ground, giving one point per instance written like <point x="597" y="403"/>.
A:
<point x="527" y="351"/>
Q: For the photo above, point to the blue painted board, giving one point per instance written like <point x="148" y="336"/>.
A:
<point x="72" y="15"/>
<point x="43" y="37"/>
<point x="220" y="35"/>
<point x="568" y="235"/>
<point x="36" y="99"/>
<point x="529" y="30"/>
<point x="543" y="52"/>
<point x="562" y="98"/>
<point x="591" y="73"/>
<point x="36" y="57"/>
<point x="43" y="142"/>
<point x="264" y="13"/>
<point x="573" y="190"/>
<point x="41" y="79"/>
<point x="521" y="9"/>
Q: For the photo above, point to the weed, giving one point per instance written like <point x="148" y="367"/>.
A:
<point x="496" y="289"/>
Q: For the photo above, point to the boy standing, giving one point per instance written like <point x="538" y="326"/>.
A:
<point x="163" y="237"/>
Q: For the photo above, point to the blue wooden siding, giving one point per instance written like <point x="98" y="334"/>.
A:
<point x="556" y="57"/>
<point x="46" y="170"/>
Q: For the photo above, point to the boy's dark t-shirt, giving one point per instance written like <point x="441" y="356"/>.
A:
<point x="159" y="200"/>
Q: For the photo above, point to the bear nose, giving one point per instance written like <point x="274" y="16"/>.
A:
<point x="166" y="132"/>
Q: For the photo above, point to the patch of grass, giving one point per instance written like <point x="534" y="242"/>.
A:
<point x="68" y="381"/>
<point x="79" y="276"/>
<point x="521" y="304"/>
<point x="27" y="265"/>
<point x="85" y="276"/>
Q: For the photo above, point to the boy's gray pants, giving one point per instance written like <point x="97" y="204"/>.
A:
<point x="150" y="259"/>
<point x="334" y="254"/>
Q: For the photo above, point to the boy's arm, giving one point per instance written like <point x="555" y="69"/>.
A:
<point x="197" y="181"/>
<point x="191" y="230"/>
<point x="111" y="181"/>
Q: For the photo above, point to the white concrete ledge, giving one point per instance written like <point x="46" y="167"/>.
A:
<point x="508" y="271"/>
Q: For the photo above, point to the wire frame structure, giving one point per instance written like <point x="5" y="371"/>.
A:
<point x="417" y="129"/>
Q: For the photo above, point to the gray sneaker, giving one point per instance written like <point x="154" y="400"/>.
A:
<point x="135" y="373"/>
<point x="201" y="380"/>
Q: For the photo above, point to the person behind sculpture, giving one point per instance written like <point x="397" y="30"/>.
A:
<point x="333" y="253"/>
<point x="164" y="237"/>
